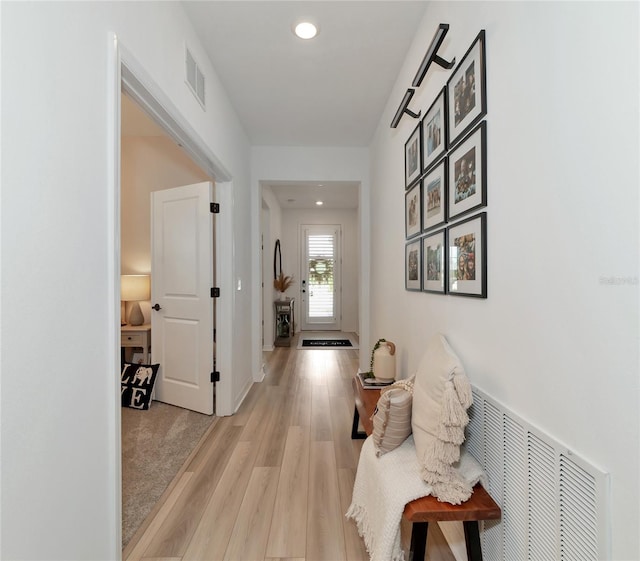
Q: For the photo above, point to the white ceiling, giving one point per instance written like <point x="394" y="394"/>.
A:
<point x="304" y="194"/>
<point x="328" y="91"/>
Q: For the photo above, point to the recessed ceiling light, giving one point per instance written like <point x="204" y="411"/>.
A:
<point x="319" y="203"/>
<point x="305" y="30"/>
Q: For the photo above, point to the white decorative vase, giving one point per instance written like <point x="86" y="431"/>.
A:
<point x="384" y="362"/>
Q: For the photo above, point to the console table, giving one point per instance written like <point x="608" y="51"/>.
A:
<point x="284" y="319"/>
<point x="137" y="336"/>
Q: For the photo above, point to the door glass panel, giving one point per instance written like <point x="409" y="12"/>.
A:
<point x="321" y="261"/>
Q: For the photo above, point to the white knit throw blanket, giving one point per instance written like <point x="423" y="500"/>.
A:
<point x="383" y="487"/>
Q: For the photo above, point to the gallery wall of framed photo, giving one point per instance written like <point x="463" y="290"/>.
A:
<point x="446" y="186"/>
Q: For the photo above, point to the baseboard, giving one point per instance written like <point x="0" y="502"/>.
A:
<point x="244" y="394"/>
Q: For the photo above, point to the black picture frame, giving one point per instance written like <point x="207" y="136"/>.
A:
<point x="467" y="257"/>
<point x="434" y="131"/>
<point x="435" y="189"/>
<point x="413" y="265"/>
<point x="467" y="91"/>
<point x="434" y="262"/>
<point x="467" y="174"/>
<point x="413" y="211"/>
<point x="413" y="157"/>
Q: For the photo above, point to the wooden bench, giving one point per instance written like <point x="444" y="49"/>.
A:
<point x="420" y="512"/>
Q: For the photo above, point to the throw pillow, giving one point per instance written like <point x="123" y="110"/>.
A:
<point x="136" y="384"/>
<point x="441" y="397"/>
<point x="392" y="417"/>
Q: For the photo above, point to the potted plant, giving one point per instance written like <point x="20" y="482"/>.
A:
<point x="281" y="283"/>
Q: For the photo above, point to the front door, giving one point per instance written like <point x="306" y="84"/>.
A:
<point x="182" y="318"/>
<point x="320" y="278"/>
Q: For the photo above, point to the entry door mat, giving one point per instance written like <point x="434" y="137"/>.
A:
<point x="336" y="341"/>
<point x="326" y="343"/>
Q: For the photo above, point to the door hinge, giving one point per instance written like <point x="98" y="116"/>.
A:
<point x="215" y="292"/>
<point x="214" y="208"/>
<point x="215" y="376"/>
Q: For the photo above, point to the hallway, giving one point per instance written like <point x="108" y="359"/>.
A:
<point x="273" y="481"/>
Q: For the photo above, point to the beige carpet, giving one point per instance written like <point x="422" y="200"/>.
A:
<point x="155" y="444"/>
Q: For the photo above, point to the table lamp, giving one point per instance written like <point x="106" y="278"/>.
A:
<point x="134" y="288"/>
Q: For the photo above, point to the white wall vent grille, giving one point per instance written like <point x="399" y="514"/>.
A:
<point x="194" y="77"/>
<point x="554" y="504"/>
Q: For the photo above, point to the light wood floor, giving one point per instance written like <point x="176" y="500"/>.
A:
<point x="273" y="481"/>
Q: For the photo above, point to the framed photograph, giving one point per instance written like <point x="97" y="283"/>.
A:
<point x="433" y="261"/>
<point x="434" y="131"/>
<point x="413" y="266"/>
<point x="412" y="211"/>
<point x="467" y="178"/>
<point x="467" y="257"/>
<point x="413" y="156"/>
<point x="434" y="197"/>
<point x="467" y="91"/>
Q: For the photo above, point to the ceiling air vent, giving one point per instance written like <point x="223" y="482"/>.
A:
<point x="194" y="77"/>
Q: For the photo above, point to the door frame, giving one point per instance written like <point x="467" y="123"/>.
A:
<point x="134" y="80"/>
<point x="125" y="72"/>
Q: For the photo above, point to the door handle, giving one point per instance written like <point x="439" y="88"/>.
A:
<point x="156" y="307"/>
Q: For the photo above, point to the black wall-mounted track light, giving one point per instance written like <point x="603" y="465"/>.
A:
<point x="431" y="56"/>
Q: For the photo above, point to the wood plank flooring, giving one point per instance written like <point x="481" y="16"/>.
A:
<point x="271" y="483"/>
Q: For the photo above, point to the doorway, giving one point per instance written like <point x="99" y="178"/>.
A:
<point x="292" y="208"/>
<point x="132" y="79"/>
<point x="321" y="279"/>
<point x="157" y="441"/>
<point x="155" y="170"/>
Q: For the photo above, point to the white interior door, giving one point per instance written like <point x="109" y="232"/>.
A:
<point x="182" y="260"/>
<point x="320" y="284"/>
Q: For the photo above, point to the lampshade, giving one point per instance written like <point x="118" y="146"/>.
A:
<point x="134" y="288"/>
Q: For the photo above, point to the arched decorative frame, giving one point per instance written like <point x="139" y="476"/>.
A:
<point x="277" y="260"/>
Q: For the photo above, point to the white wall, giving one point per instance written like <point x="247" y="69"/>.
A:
<point x="272" y="230"/>
<point x="285" y="163"/>
<point x="148" y="163"/>
<point x="59" y="264"/>
<point x="556" y="341"/>
<point x="292" y="248"/>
